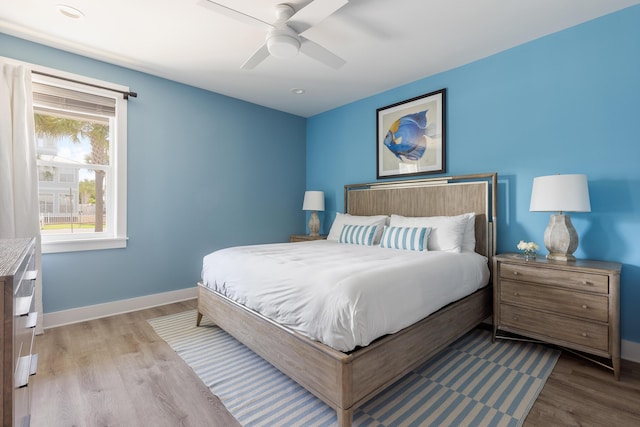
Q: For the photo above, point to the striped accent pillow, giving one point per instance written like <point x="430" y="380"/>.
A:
<point x="358" y="234"/>
<point x="406" y="238"/>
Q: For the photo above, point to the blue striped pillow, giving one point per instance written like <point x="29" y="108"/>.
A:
<point x="407" y="238"/>
<point x="358" y="234"/>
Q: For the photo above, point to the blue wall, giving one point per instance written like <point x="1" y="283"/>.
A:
<point x="565" y="103"/>
<point x="205" y="171"/>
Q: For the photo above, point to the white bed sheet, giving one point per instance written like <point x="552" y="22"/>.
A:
<point x="339" y="294"/>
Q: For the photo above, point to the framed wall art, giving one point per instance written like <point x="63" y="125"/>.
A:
<point x="411" y="136"/>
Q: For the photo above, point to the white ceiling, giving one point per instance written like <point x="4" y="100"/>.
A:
<point x="385" y="43"/>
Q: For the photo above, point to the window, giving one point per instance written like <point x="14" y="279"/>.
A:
<point x="68" y="175"/>
<point x="46" y="206"/>
<point x="46" y="174"/>
<point x="81" y="159"/>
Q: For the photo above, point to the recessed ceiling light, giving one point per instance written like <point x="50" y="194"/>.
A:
<point x="297" y="91"/>
<point x="69" y="11"/>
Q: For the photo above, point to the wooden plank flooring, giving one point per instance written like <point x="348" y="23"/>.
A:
<point x="117" y="372"/>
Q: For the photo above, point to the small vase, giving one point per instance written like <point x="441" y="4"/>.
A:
<point x="529" y="255"/>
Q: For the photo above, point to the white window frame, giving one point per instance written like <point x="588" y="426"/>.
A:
<point x="115" y="236"/>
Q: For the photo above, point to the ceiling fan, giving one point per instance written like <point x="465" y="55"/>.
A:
<point x="284" y="39"/>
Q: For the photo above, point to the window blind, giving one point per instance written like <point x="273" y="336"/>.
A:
<point x="59" y="98"/>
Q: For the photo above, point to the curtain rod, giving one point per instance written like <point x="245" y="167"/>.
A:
<point x="125" y="94"/>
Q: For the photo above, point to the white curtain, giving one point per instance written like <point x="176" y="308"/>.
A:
<point x="19" y="210"/>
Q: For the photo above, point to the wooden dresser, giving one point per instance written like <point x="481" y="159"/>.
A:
<point x="17" y="276"/>
<point x="575" y="305"/>
<point x="304" y="238"/>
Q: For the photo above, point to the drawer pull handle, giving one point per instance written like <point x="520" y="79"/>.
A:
<point x="515" y="273"/>
<point x="515" y="318"/>
<point x="516" y="294"/>
<point x="585" y="306"/>
<point x="586" y="283"/>
<point x="584" y="334"/>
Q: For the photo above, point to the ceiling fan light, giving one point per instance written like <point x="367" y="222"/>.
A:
<point x="283" y="46"/>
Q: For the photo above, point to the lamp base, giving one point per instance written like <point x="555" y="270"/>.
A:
<point x="314" y="224"/>
<point x="561" y="238"/>
<point x="561" y="257"/>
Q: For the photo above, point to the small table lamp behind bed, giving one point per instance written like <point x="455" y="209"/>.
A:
<point x="314" y="202"/>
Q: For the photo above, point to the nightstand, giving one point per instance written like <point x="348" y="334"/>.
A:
<point x="575" y="305"/>
<point x="304" y="238"/>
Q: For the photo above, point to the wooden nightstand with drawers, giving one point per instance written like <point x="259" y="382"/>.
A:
<point x="575" y="305"/>
<point x="304" y="238"/>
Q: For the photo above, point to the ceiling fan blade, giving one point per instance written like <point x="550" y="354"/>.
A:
<point x="258" y="56"/>
<point x="234" y="14"/>
<point x="319" y="53"/>
<point x="314" y="13"/>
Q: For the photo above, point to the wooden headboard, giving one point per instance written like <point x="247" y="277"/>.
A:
<point x="432" y="197"/>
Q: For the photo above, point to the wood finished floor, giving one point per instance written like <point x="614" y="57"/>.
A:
<point x="117" y="372"/>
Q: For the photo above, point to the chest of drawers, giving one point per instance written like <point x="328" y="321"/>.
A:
<point x="19" y="361"/>
<point x="304" y="238"/>
<point x="575" y="305"/>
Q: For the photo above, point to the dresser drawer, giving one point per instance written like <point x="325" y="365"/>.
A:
<point x="21" y="406"/>
<point x="26" y="274"/>
<point x="556" y="328"/>
<point x="548" y="276"/>
<point x="567" y="302"/>
<point x="23" y="337"/>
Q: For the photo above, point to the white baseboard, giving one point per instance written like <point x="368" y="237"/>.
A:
<point x="80" y="314"/>
<point x="630" y="351"/>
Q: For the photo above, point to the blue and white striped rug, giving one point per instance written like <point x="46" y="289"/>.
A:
<point x="474" y="382"/>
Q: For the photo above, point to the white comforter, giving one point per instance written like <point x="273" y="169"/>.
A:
<point x="339" y="294"/>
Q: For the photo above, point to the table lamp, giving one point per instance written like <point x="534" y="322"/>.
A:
<point x="560" y="193"/>
<point x="314" y="202"/>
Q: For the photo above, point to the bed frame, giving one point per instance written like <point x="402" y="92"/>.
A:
<point x="345" y="381"/>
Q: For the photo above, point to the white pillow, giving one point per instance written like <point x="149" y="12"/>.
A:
<point x="346" y="219"/>
<point x="405" y="238"/>
<point x="447" y="232"/>
<point x="358" y="234"/>
<point x="469" y="239"/>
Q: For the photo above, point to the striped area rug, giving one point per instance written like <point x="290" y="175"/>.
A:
<point x="474" y="382"/>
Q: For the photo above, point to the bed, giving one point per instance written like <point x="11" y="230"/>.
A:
<point x="346" y="379"/>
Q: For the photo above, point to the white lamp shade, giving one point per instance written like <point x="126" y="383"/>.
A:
<point x="313" y="201"/>
<point x="560" y="193"/>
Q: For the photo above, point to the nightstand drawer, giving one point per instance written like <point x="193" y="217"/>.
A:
<point x="549" y="276"/>
<point x="557" y="328"/>
<point x="572" y="303"/>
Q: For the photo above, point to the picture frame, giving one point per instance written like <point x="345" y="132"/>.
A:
<point x="411" y="136"/>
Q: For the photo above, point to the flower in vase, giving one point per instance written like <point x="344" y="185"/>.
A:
<point x="528" y="249"/>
